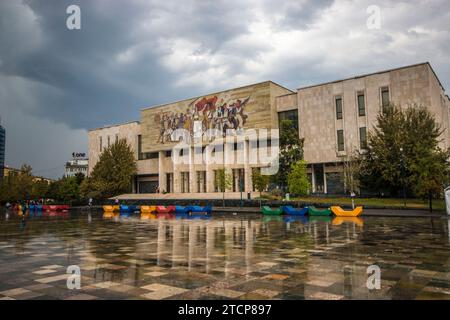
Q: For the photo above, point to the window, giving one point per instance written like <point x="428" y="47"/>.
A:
<point x="238" y="146"/>
<point x="108" y="141"/>
<point x="291" y="115"/>
<point x="101" y="144"/>
<point x="153" y="155"/>
<point x="361" y="104"/>
<point x="338" y="107"/>
<point x="384" y="97"/>
<point x="184" y="182"/>
<point x="340" y="140"/>
<point x="169" y="182"/>
<point x="238" y="180"/>
<point x="362" y="138"/>
<point x="201" y="181"/>
<point x="168" y="153"/>
<point x="199" y="150"/>
<point x="117" y="138"/>
<point x="140" y="155"/>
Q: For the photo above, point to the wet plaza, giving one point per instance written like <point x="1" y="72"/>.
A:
<point x="222" y="257"/>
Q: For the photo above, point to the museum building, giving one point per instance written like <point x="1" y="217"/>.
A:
<point x="333" y="118"/>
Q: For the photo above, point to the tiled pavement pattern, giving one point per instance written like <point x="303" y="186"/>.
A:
<point x="239" y="257"/>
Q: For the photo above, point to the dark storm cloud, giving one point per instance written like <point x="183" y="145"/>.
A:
<point x="136" y="53"/>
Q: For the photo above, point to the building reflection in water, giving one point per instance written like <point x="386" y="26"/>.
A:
<point x="311" y="251"/>
<point x="206" y="245"/>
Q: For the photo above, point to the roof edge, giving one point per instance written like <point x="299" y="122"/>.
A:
<point x="114" y="125"/>
<point x="375" y="73"/>
<point x="216" y="92"/>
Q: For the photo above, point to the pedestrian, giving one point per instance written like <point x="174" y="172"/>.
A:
<point x="90" y="202"/>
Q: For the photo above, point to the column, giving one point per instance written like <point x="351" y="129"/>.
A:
<point x="161" y="172"/>
<point x="192" y="173"/>
<point x="324" y="180"/>
<point x="247" y="169"/>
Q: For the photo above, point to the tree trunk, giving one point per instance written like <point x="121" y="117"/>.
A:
<point x="430" y="199"/>
<point x="223" y="199"/>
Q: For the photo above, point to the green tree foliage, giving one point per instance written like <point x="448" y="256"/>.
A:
<point x="112" y="175"/>
<point x="298" y="182"/>
<point x="79" y="177"/>
<point x="403" y="151"/>
<point x="40" y="189"/>
<point x="291" y="151"/>
<point x="260" y="181"/>
<point x="223" y="181"/>
<point x="22" y="186"/>
<point x="67" y="190"/>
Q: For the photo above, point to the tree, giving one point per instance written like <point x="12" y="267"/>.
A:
<point x="291" y="151"/>
<point x="404" y="153"/>
<point x="298" y="182"/>
<point x="24" y="183"/>
<point x="87" y="189"/>
<point x="222" y="181"/>
<point x="381" y="164"/>
<point x="351" y="170"/>
<point x="8" y="188"/>
<point x="260" y="181"/>
<point x="68" y="189"/>
<point x="79" y="177"/>
<point x="40" y="189"/>
<point x="112" y="175"/>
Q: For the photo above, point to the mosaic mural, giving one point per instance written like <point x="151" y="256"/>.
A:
<point x="204" y="113"/>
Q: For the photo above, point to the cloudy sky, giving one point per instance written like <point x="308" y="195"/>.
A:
<point x="56" y="83"/>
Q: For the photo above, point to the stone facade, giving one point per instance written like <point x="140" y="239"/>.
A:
<point x="98" y="139"/>
<point x="330" y="133"/>
<point x="319" y="123"/>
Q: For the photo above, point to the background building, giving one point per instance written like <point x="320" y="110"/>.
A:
<point x="333" y="118"/>
<point x="2" y="150"/>
<point x="78" y="164"/>
<point x="10" y="172"/>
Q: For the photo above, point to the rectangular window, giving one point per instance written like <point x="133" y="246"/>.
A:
<point x="185" y="182"/>
<point x="201" y="181"/>
<point x="338" y="107"/>
<point x="340" y="140"/>
<point x="101" y="144"/>
<point x="169" y="182"/>
<point x="385" y="97"/>
<point x="140" y="155"/>
<point x="361" y="105"/>
<point x="117" y="138"/>
<point x="168" y="153"/>
<point x="238" y="180"/>
<point x="108" y="141"/>
<point x="291" y="115"/>
<point x="238" y="146"/>
<point x="362" y="138"/>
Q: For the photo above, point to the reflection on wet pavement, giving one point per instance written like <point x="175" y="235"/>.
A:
<point x="240" y="257"/>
